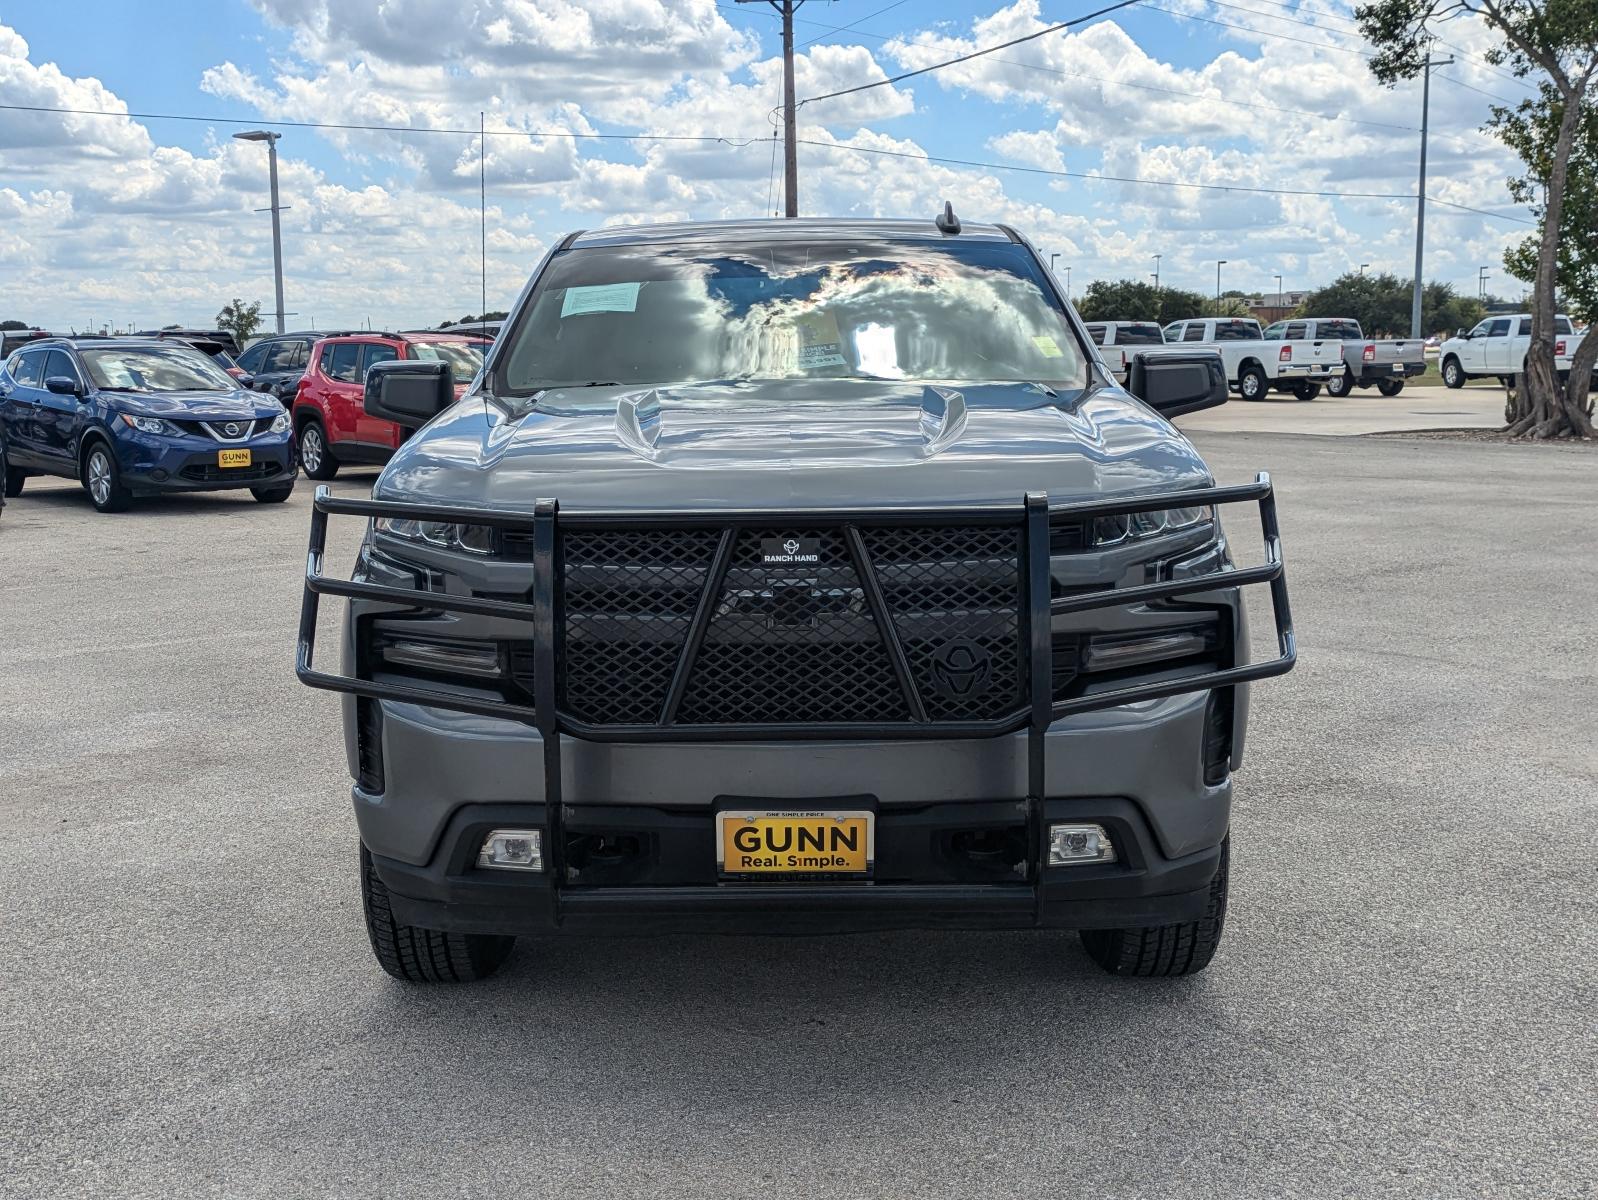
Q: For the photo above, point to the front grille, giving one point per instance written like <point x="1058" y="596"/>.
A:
<point x="792" y="643"/>
<point x="216" y="429"/>
<point x="211" y="473"/>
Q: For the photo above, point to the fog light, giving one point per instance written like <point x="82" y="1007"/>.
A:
<point x="513" y="850"/>
<point x="1073" y="844"/>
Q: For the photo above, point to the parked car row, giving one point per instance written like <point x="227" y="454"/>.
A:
<point x="172" y="410"/>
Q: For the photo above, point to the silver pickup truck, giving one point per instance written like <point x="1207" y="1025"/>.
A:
<point x="795" y="577"/>
<point x="1384" y="364"/>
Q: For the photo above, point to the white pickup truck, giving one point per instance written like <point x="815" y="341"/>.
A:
<point x="1255" y="366"/>
<point x="1366" y="361"/>
<point x="1498" y="346"/>
<point x="1119" y="341"/>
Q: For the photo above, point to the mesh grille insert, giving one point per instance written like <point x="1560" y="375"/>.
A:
<point x="628" y="598"/>
<point x="791" y="642"/>
<point x="954" y="596"/>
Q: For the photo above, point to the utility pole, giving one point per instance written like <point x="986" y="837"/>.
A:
<point x="790" y="150"/>
<point x="1420" y="196"/>
<point x="1157" y="258"/>
<point x="1068" y="285"/>
<point x="1278" y="291"/>
<point x="1218" y="267"/>
<point x="270" y="138"/>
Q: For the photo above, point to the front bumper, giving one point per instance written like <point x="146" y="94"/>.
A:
<point x="922" y="881"/>
<point x="1135" y="756"/>
<point x="158" y="463"/>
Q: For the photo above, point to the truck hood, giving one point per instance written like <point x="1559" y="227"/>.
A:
<point x="780" y="446"/>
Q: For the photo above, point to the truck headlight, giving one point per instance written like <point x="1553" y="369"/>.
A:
<point x="1129" y="527"/>
<point x="474" y="539"/>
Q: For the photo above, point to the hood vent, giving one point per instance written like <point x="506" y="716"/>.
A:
<point x="943" y="419"/>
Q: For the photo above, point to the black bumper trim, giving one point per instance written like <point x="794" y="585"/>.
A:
<point x="1142" y="888"/>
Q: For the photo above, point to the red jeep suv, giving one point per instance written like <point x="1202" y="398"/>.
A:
<point x="329" y="404"/>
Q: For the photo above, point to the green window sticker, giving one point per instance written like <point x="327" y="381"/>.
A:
<point x="604" y="297"/>
<point x="1049" y="347"/>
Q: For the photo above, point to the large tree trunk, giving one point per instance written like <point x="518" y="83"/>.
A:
<point x="1541" y="410"/>
<point x="1578" y="403"/>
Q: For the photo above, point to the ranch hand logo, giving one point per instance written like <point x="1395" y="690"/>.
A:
<point x="790" y="552"/>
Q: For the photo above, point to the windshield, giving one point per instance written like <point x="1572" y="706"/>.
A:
<point x="464" y="359"/>
<point x="153" y="369"/>
<point x="861" y="309"/>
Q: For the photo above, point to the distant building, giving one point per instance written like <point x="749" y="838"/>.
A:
<point x="1272" y="306"/>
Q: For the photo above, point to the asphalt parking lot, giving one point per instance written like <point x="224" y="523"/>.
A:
<point x="1403" y="1005"/>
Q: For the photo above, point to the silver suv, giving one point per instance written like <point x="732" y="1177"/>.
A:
<point x="801" y="576"/>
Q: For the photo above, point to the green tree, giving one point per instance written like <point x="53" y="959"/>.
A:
<point x="240" y="319"/>
<point x="1531" y="130"/>
<point x="1130" y="300"/>
<point x="1555" y="41"/>
<point x="1381" y="303"/>
<point x="15" y="325"/>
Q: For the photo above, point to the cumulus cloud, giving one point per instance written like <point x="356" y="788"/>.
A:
<point x="606" y="111"/>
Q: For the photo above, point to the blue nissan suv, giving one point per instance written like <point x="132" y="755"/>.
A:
<point x="133" y="416"/>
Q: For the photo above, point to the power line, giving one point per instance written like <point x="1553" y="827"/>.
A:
<point x="1284" y="37"/>
<point x="865" y="87"/>
<point x="1123" y="83"/>
<point x="1167" y="183"/>
<point x="737" y="143"/>
<point x="851" y="25"/>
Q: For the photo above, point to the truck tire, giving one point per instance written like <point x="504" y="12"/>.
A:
<point x="1453" y="373"/>
<point x="1389" y="387"/>
<point x="1306" y="391"/>
<point x="14" y="479"/>
<point x="1252" y="384"/>
<point x="1183" y="949"/>
<point x="424" y="955"/>
<point x="315" y="457"/>
<point x="272" y="495"/>
<point x="1340" y="385"/>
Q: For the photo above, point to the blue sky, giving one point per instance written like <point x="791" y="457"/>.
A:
<point x="156" y="217"/>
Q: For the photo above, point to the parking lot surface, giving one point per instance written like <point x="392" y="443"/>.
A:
<point x="1478" y="405"/>
<point x="1403" y="1005"/>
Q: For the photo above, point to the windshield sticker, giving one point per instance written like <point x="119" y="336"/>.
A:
<point x="820" y="343"/>
<point x="604" y="297"/>
<point x="1049" y="347"/>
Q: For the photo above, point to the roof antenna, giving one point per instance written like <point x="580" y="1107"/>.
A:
<point x="947" y="221"/>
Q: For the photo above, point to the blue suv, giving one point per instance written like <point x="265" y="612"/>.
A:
<point x="134" y="416"/>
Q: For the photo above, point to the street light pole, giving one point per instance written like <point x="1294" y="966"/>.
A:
<point x="1278" y="291"/>
<point x="1068" y="285"/>
<point x="1219" y="264"/>
<point x="1052" y="259"/>
<point x="270" y="138"/>
<point x="1481" y="284"/>
<point x="1362" y="267"/>
<point x="1420" y="192"/>
<point x="1157" y="258"/>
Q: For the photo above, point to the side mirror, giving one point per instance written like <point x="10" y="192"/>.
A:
<point x="1459" y="333"/>
<point x="408" y="392"/>
<point x="1173" y="382"/>
<point x="245" y="380"/>
<point x="62" y="385"/>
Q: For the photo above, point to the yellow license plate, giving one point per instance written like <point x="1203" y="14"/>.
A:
<point x="839" y="842"/>
<point x="232" y="458"/>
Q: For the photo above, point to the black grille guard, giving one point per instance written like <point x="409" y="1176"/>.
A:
<point x="1033" y="517"/>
